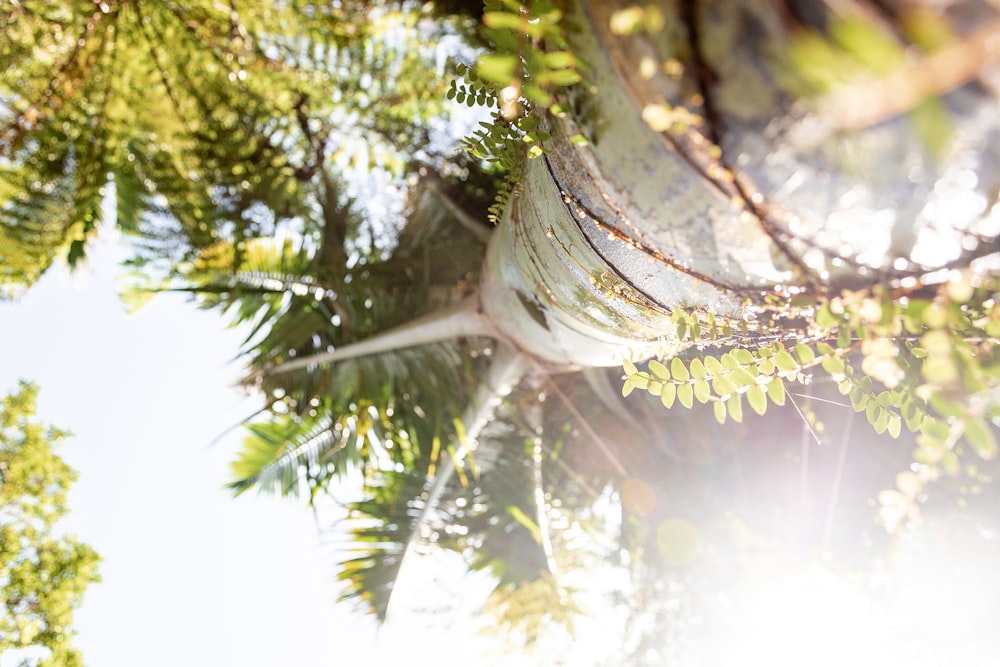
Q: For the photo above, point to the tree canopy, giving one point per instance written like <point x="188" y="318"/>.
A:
<point x="43" y="572"/>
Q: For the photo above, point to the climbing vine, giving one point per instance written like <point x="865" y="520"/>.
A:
<point x="529" y="64"/>
<point x="924" y="358"/>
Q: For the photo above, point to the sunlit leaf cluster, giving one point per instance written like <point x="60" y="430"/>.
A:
<point x="925" y="358"/>
<point x="223" y="137"/>
<point x="530" y="57"/>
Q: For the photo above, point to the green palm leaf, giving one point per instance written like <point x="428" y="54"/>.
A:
<point x="209" y="124"/>
<point x="280" y="453"/>
<point x="380" y="527"/>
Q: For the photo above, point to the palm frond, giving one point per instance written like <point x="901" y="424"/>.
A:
<point x="529" y="611"/>
<point x="279" y="454"/>
<point x="205" y="136"/>
<point x="380" y="527"/>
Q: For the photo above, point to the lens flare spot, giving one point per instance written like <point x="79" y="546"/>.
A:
<point x="679" y="542"/>
<point x="638" y="497"/>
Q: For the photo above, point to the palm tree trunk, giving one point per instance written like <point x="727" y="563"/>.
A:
<point x="702" y="193"/>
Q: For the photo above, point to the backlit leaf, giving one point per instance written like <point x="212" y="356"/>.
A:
<point x="678" y="369"/>
<point x="776" y="391"/>
<point x="980" y="436"/>
<point x="784" y="361"/>
<point x="627" y="387"/>
<point x="895" y="425"/>
<point x="720" y="411"/>
<point x="667" y="395"/>
<point x="871" y="412"/>
<point x="685" y="394"/>
<point x="804" y="353"/>
<point x="658" y="369"/>
<point x="498" y="68"/>
<point x="881" y="420"/>
<point x="702" y="391"/>
<point x="723" y="386"/>
<point x="757" y="398"/>
<point x="833" y="365"/>
<point x="741" y="377"/>
<point x="734" y="405"/>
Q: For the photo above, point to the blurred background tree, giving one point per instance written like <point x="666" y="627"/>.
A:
<point x="43" y="573"/>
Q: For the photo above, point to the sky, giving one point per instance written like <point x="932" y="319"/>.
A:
<point x="191" y="576"/>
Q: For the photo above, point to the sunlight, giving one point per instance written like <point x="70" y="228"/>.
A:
<point x="933" y="603"/>
<point x="811" y="618"/>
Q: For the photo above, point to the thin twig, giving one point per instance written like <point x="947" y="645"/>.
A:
<point x="803" y="473"/>
<point x="805" y="421"/>
<point x="820" y="400"/>
<point x="838" y="477"/>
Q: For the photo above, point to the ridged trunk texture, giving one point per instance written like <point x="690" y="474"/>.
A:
<point x="708" y="185"/>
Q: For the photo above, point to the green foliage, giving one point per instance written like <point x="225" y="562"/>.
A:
<point x="43" y="574"/>
<point x="499" y="144"/>
<point x="502" y="143"/>
<point x="381" y="526"/>
<point x="936" y="357"/>
<point x="529" y="63"/>
<point x="327" y="421"/>
<point x="471" y="90"/>
<point x="383" y="416"/>
<point x="277" y="454"/>
<point x="216" y="134"/>
<point x="922" y="357"/>
<point x="530" y="58"/>
<point x="384" y="523"/>
<point x="196" y="125"/>
<point x="529" y="611"/>
<point x="724" y="380"/>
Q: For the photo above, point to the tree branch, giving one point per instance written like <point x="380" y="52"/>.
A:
<point x="870" y="102"/>
<point x="469" y="223"/>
